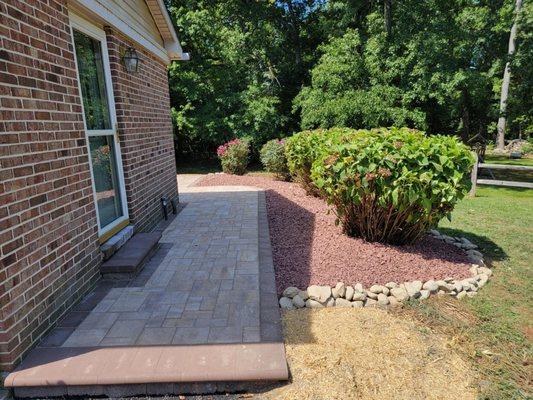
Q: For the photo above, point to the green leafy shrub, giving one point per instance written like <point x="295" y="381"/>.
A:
<point x="303" y="148"/>
<point x="273" y="158"/>
<point x="234" y="156"/>
<point x="527" y="147"/>
<point x="391" y="185"/>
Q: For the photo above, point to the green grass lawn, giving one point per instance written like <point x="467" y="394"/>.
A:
<point x="507" y="175"/>
<point x="494" y="329"/>
<point x="501" y="159"/>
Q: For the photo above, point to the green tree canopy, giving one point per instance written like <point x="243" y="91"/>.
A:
<point x="266" y="69"/>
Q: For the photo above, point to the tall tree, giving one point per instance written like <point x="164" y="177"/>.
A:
<point x="249" y="60"/>
<point x="387" y="14"/>
<point x="265" y="69"/>
<point x="507" y="79"/>
<point x="433" y="73"/>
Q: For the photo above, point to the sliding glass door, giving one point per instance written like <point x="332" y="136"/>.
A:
<point x="100" y="122"/>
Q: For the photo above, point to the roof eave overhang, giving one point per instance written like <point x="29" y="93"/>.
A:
<point x="171" y="48"/>
<point x="167" y="31"/>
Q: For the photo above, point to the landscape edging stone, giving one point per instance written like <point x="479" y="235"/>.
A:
<point x="394" y="294"/>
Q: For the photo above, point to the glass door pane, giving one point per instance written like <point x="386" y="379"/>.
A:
<point x="94" y="78"/>
<point x="105" y="177"/>
<point x="92" y="81"/>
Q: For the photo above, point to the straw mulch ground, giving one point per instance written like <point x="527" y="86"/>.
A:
<point x="369" y="354"/>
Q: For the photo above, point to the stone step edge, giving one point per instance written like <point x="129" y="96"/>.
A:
<point x="110" y="268"/>
<point x="88" y="366"/>
<point x="143" y="390"/>
<point x="115" y="242"/>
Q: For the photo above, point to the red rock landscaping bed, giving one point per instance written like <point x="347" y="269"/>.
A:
<point x="309" y="249"/>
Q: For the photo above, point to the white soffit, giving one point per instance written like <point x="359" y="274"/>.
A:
<point x="172" y="49"/>
<point x="166" y="28"/>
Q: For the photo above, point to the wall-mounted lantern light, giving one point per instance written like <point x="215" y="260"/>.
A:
<point x="131" y="60"/>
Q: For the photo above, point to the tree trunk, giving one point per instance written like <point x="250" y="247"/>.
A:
<point x="295" y="36"/>
<point x="387" y="14"/>
<point x="507" y="79"/>
<point x="465" y="133"/>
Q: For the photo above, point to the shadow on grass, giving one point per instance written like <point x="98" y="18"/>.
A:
<point x="506" y="175"/>
<point x="198" y="168"/>
<point x="212" y="166"/>
<point x="491" y="251"/>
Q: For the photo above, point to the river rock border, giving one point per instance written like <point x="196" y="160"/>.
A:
<point x="393" y="294"/>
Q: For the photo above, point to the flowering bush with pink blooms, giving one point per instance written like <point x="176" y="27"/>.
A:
<point x="274" y="160"/>
<point x="234" y="156"/>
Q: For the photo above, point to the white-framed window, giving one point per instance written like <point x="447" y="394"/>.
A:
<point x="95" y="86"/>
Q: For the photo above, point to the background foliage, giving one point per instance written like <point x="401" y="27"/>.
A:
<point x="266" y="69"/>
<point x="273" y="158"/>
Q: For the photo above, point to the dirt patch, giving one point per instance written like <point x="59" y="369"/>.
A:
<point x="332" y="355"/>
<point x="309" y="249"/>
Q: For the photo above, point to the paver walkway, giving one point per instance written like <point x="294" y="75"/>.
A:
<point x="211" y="282"/>
<point x="204" y="290"/>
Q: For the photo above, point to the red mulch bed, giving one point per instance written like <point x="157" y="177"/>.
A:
<point x="309" y="249"/>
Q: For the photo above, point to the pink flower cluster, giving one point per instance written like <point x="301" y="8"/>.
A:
<point x="222" y="148"/>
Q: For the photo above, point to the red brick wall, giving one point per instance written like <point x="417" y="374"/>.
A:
<point x="145" y="130"/>
<point x="49" y="254"/>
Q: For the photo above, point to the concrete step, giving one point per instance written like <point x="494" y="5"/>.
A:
<point x="127" y="262"/>
<point x="149" y="370"/>
<point x="118" y="240"/>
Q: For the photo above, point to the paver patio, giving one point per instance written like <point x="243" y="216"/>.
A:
<point x="211" y="282"/>
<point x="205" y="288"/>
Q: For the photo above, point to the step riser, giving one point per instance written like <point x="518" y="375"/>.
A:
<point x="117" y="241"/>
<point x="125" y="276"/>
<point x="130" y="259"/>
<point x="151" y="389"/>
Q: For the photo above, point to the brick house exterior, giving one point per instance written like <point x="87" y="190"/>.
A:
<point x="49" y="231"/>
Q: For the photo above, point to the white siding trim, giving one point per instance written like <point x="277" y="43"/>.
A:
<point x="168" y="33"/>
<point x="94" y="8"/>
